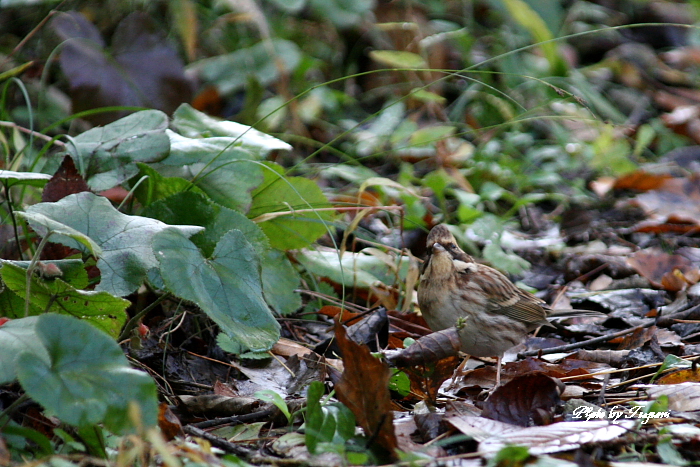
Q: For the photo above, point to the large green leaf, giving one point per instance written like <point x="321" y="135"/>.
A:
<point x="24" y="178"/>
<point x="107" y="155"/>
<point x="80" y="374"/>
<point x="276" y="205"/>
<point x="279" y="278"/>
<point x="225" y="171"/>
<point x="195" y="124"/>
<point x="227" y="287"/>
<point x="125" y="241"/>
<point x="17" y="336"/>
<point x="100" y="309"/>
<point x="156" y="187"/>
<point x="60" y="232"/>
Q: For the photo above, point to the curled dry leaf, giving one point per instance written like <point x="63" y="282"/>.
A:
<point x="364" y="389"/>
<point x="429" y="349"/>
<point x="525" y="400"/>
<point x="168" y="423"/>
<point x="609" y="357"/>
<point x="430" y="361"/>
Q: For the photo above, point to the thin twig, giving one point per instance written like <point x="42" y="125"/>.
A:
<point x="328" y="298"/>
<point x="619" y="370"/>
<point x="273" y="215"/>
<point x="264" y="414"/>
<point x="218" y="442"/>
<point x="33" y="133"/>
<point x="14" y="220"/>
<point x="31" y="33"/>
<point x="578" y="345"/>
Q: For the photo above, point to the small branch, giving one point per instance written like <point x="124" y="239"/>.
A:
<point x="32" y="33"/>
<point x="273" y="215"/>
<point x="33" y="133"/>
<point x="14" y="220"/>
<point x="30" y="271"/>
<point x="578" y="345"/>
<point x="689" y="313"/>
<point x="218" y="442"/>
<point x="265" y="414"/>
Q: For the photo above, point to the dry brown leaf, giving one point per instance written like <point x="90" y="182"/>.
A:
<point x="641" y="181"/>
<point x="677" y="200"/>
<point x="691" y="375"/>
<point x="66" y="181"/>
<point x="637" y="338"/>
<point x="525" y="400"/>
<point x="286" y="348"/>
<point x="429" y="349"/>
<point x="223" y="389"/>
<point x="567" y="367"/>
<point x="364" y="389"/>
<point x="670" y="272"/>
<point x="168" y="423"/>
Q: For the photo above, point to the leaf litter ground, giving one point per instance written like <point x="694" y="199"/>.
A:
<point x="595" y="386"/>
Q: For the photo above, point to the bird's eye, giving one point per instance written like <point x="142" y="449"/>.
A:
<point x="451" y="246"/>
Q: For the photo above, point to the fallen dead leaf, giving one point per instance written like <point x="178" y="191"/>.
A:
<point x="681" y="376"/>
<point x="563" y="436"/>
<point x="683" y="397"/>
<point x="670" y="272"/>
<point x="525" y="400"/>
<point x="364" y="389"/>
<point x="168" y="423"/>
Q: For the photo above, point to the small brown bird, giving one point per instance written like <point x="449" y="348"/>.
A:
<point x="493" y="313"/>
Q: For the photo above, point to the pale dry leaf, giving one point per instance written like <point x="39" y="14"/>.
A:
<point x="683" y="397"/>
<point x="558" y="437"/>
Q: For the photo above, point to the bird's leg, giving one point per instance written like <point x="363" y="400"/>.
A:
<point x="459" y="372"/>
<point x="498" y="372"/>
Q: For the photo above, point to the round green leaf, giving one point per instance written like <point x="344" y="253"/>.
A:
<point x="125" y="240"/>
<point x="86" y="378"/>
<point x="226" y="287"/>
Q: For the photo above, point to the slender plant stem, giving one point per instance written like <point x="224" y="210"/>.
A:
<point x="31" y="269"/>
<point x="14" y="220"/>
<point x="5" y="414"/>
